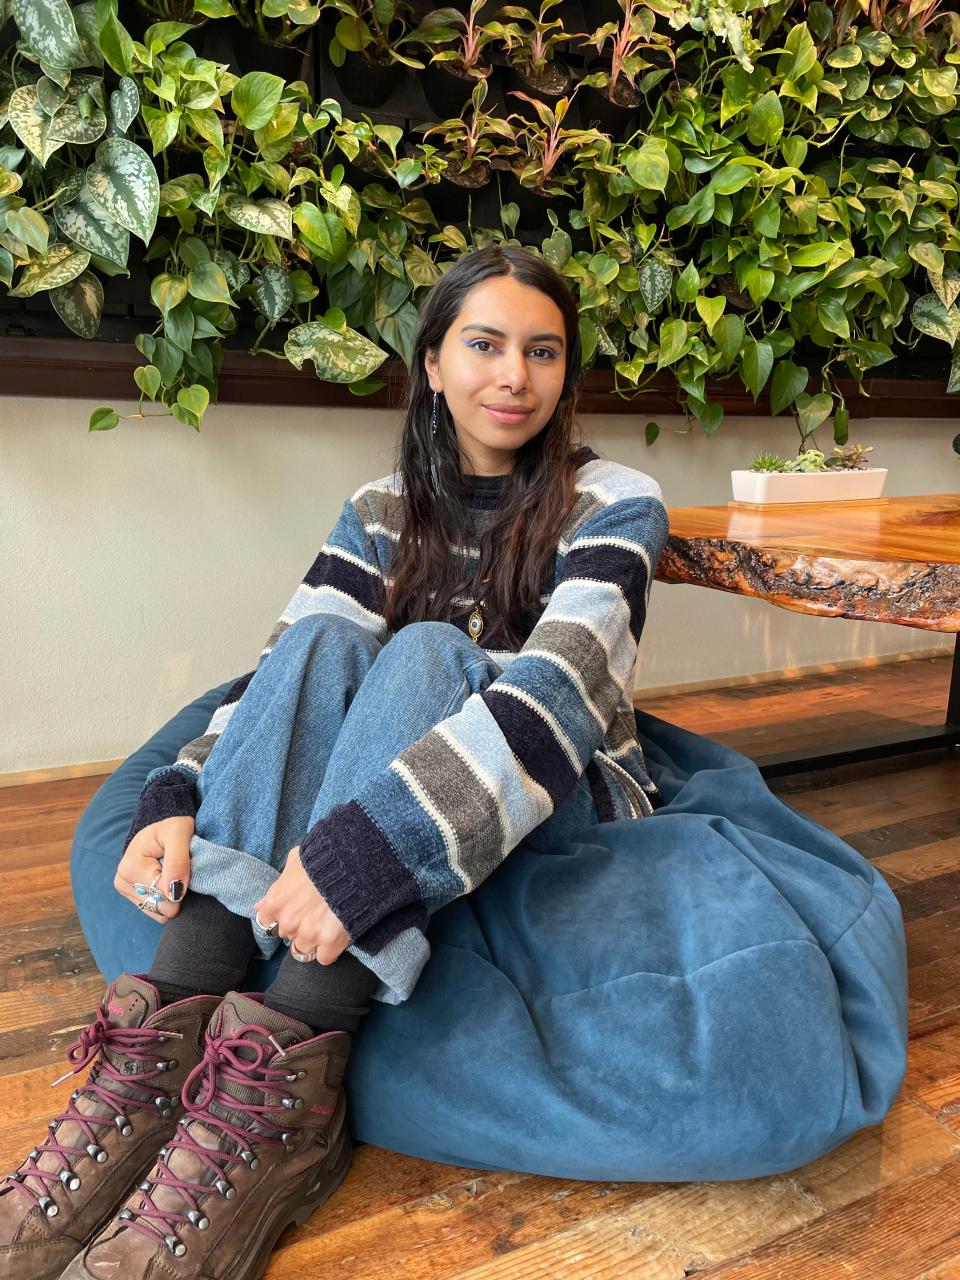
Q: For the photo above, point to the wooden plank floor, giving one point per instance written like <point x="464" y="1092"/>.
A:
<point x="885" y="1205"/>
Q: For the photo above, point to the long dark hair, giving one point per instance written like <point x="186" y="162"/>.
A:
<point x="517" y="551"/>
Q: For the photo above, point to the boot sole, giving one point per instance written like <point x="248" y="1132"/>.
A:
<point x="273" y="1228"/>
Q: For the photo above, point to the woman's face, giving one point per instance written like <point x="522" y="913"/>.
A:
<point x="500" y="368"/>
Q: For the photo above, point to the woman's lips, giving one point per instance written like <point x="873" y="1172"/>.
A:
<point x="509" y="417"/>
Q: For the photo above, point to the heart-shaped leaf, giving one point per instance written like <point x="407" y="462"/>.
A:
<point x="930" y="316"/>
<point x="337" y="356"/>
<point x="148" y="379"/>
<point x="30" y="123"/>
<point x="30" y="227"/>
<point x="255" y="97"/>
<point x="207" y="282"/>
<point x="84" y="222"/>
<point x="124" y="183"/>
<point x="268" y="217"/>
<point x="61" y="265"/>
<point x="48" y="30"/>
<point x="655" y="280"/>
<point x="124" y="104"/>
<point x="273" y="292"/>
<point x="79" y="304"/>
<point x="103" y="419"/>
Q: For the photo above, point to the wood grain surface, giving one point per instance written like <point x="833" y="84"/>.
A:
<point x="892" y="561"/>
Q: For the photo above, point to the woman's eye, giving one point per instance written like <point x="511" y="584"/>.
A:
<point x="545" y="353"/>
<point x="480" y="344"/>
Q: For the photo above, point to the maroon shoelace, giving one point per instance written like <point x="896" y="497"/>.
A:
<point x="221" y="1063"/>
<point x="135" y="1042"/>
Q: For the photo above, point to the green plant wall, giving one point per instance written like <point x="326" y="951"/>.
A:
<point x="781" y="207"/>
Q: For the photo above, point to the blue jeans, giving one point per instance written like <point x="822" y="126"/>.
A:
<point x="328" y="710"/>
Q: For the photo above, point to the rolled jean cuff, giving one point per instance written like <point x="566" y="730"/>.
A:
<point x="236" y="879"/>
<point x="239" y="879"/>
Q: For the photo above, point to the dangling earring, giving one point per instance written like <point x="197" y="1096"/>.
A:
<point x="433" y="415"/>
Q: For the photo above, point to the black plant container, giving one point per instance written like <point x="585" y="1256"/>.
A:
<point x="533" y="224"/>
<point x="459" y="202"/>
<point x="516" y="80"/>
<point x="366" y="83"/>
<point x="227" y="41"/>
<point x="617" y="119"/>
<point x="446" y="91"/>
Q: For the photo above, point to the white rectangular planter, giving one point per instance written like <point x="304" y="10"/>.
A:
<point x="807" y="486"/>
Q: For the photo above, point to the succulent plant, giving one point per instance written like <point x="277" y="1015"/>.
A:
<point x="767" y="462"/>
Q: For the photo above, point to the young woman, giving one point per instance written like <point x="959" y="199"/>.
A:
<point x="453" y="676"/>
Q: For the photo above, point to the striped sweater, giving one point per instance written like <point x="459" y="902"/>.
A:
<point x="448" y="809"/>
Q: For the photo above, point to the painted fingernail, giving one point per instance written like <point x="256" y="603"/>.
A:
<point x="175" y="891"/>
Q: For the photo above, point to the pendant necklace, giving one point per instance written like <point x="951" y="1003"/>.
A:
<point x="475" y="621"/>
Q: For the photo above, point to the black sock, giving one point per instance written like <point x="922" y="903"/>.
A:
<point x="327" y="997"/>
<point x="204" y="950"/>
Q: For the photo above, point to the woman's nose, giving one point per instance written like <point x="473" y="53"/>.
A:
<point x="514" y="372"/>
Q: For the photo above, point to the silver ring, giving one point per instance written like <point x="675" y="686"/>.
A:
<point x="150" y="905"/>
<point x="270" y="929"/>
<point x="302" y="957"/>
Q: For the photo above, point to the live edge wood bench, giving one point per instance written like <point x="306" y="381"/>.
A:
<point x="887" y="560"/>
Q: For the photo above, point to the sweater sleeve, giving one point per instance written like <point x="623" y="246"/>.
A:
<point x="450" y="807"/>
<point x="345" y="578"/>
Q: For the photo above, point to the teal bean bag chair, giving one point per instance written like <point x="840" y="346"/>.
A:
<point x="718" y="991"/>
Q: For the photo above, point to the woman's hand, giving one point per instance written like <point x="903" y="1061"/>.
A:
<point x="160" y="851"/>
<point x="302" y="913"/>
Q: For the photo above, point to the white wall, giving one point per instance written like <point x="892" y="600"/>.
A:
<point x="141" y="566"/>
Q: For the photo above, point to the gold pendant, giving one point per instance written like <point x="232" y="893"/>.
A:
<point x="475" y="624"/>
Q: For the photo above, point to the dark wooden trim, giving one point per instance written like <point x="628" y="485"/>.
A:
<point x="104" y="371"/>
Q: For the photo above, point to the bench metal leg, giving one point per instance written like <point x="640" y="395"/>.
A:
<point x="782" y="764"/>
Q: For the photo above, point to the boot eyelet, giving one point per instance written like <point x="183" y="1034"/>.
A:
<point x="48" y="1206"/>
<point x="295" y="1075"/>
<point x="163" y="1106"/>
<point x="226" y="1189"/>
<point x="96" y="1153"/>
<point x="175" y="1245"/>
<point x="293" y="1104"/>
<point x="123" y="1125"/>
<point x="34" y="1154"/>
<point x="199" y="1220"/>
<point x="125" y="1215"/>
<point x="69" y="1179"/>
<point x="250" y="1160"/>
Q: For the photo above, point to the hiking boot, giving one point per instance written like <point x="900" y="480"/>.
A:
<point x="72" y="1182"/>
<point x="263" y="1143"/>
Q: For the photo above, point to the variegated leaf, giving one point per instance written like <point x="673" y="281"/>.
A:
<point x="953" y="384"/>
<point x="655" y="280"/>
<point x="30" y="123"/>
<point x="337" y="356"/>
<point x="79" y="304"/>
<point x="268" y="217"/>
<point x="70" y="185"/>
<point x="88" y="29"/>
<point x="61" y="265"/>
<point x="273" y="292"/>
<point x="49" y="32"/>
<point x="68" y="125"/>
<point x="124" y="104"/>
<point x="84" y="222"/>
<point x="50" y="95"/>
<point x="930" y="316"/>
<point x="124" y="183"/>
